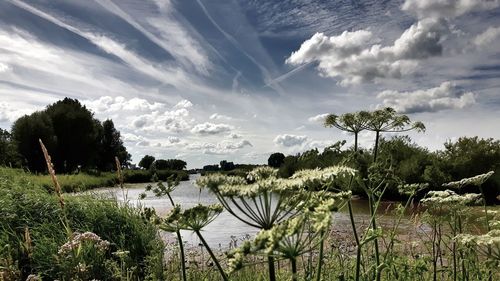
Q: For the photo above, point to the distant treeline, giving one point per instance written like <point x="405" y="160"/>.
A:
<point x="75" y="139"/>
<point x="410" y="163"/>
<point x="228" y="168"/>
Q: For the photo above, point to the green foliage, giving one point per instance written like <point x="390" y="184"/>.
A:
<point x="140" y="176"/>
<point x="8" y="152"/>
<point x="72" y="135"/>
<point x="170" y="164"/>
<point x="276" y="159"/>
<point x="146" y="162"/>
<point x="226" y="166"/>
<point x="26" y="207"/>
<point x="111" y="146"/>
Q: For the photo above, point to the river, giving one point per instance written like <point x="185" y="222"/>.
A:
<point x="225" y="228"/>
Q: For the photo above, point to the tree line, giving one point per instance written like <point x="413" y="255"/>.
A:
<point x="74" y="137"/>
<point x="406" y="161"/>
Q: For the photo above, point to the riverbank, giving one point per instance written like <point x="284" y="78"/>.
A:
<point x="83" y="182"/>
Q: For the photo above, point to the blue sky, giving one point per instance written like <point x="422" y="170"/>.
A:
<point x="207" y="80"/>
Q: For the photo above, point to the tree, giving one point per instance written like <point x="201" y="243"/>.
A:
<point x="146" y="162"/>
<point x="170" y="164"/>
<point x="76" y="133"/>
<point x="276" y="159"/>
<point x="111" y="146"/>
<point x="226" y="166"/>
<point x="73" y="137"/>
<point x="472" y="156"/>
<point x="26" y="131"/>
<point x="8" y="153"/>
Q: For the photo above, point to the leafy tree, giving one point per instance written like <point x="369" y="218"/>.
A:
<point x="26" y="131"/>
<point x="470" y="156"/>
<point x="276" y="159"/>
<point x="72" y="135"/>
<point x="76" y="133"/>
<point x="146" y="162"/>
<point x="170" y="164"/>
<point x="211" y="168"/>
<point x="112" y="146"/>
<point x="226" y="166"/>
<point x="8" y="153"/>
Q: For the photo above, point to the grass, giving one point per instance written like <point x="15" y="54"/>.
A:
<point x="82" y="181"/>
<point x="33" y="228"/>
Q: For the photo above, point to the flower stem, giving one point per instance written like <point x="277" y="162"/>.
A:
<point x="221" y="271"/>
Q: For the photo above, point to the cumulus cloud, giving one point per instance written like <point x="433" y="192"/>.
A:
<point x="287" y="140"/>
<point x="183" y="104"/>
<point x="446" y="96"/>
<point x="10" y="113"/>
<point x="489" y="36"/>
<point x="446" y="8"/>
<point x="234" y="136"/>
<point x="318" y="118"/>
<point x="208" y="128"/>
<point x="144" y="115"/>
<point x="349" y="56"/>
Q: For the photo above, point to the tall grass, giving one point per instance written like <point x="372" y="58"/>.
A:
<point x="27" y="207"/>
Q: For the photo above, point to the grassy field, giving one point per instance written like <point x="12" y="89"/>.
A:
<point x="82" y="181"/>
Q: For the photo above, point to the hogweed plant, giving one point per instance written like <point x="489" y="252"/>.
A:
<point x="449" y="209"/>
<point x="263" y="201"/>
<point x="160" y="190"/>
<point x="194" y="219"/>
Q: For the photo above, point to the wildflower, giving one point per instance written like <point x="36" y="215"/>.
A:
<point x="449" y="198"/>
<point x="475" y="181"/>
<point x="193" y="219"/>
<point x="81" y="238"/>
<point x="121" y="254"/>
<point x="412" y="189"/>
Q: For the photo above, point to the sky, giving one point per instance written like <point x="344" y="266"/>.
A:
<point x="236" y="80"/>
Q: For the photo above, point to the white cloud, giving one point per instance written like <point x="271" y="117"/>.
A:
<point x="489" y="36"/>
<point x="234" y="136"/>
<point x="349" y="57"/>
<point x="164" y="29"/>
<point x="173" y="139"/>
<point x="446" y="96"/>
<point x="318" y="118"/>
<point x="10" y="112"/>
<point x="183" y="104"/>
<point x="221" y="148"/>
<point x="287" y="140"/>
<point x="4" y="67"/>
<point x="208" y="128"/>
<point x="217" y="116"/>
<point x="446" y="8"/>
<point x="144" y="115"/>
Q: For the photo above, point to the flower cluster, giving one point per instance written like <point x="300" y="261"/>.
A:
<point x="290" y="238"/>
<point x="489" y="239"/>
<point x="412" y="189"/>
<point x="81" y="238"/>
<point x="194" y="218"/>
<point x="264" y="179"/>
<point x="449" y="198"/>
<point x="474" y="181"/>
